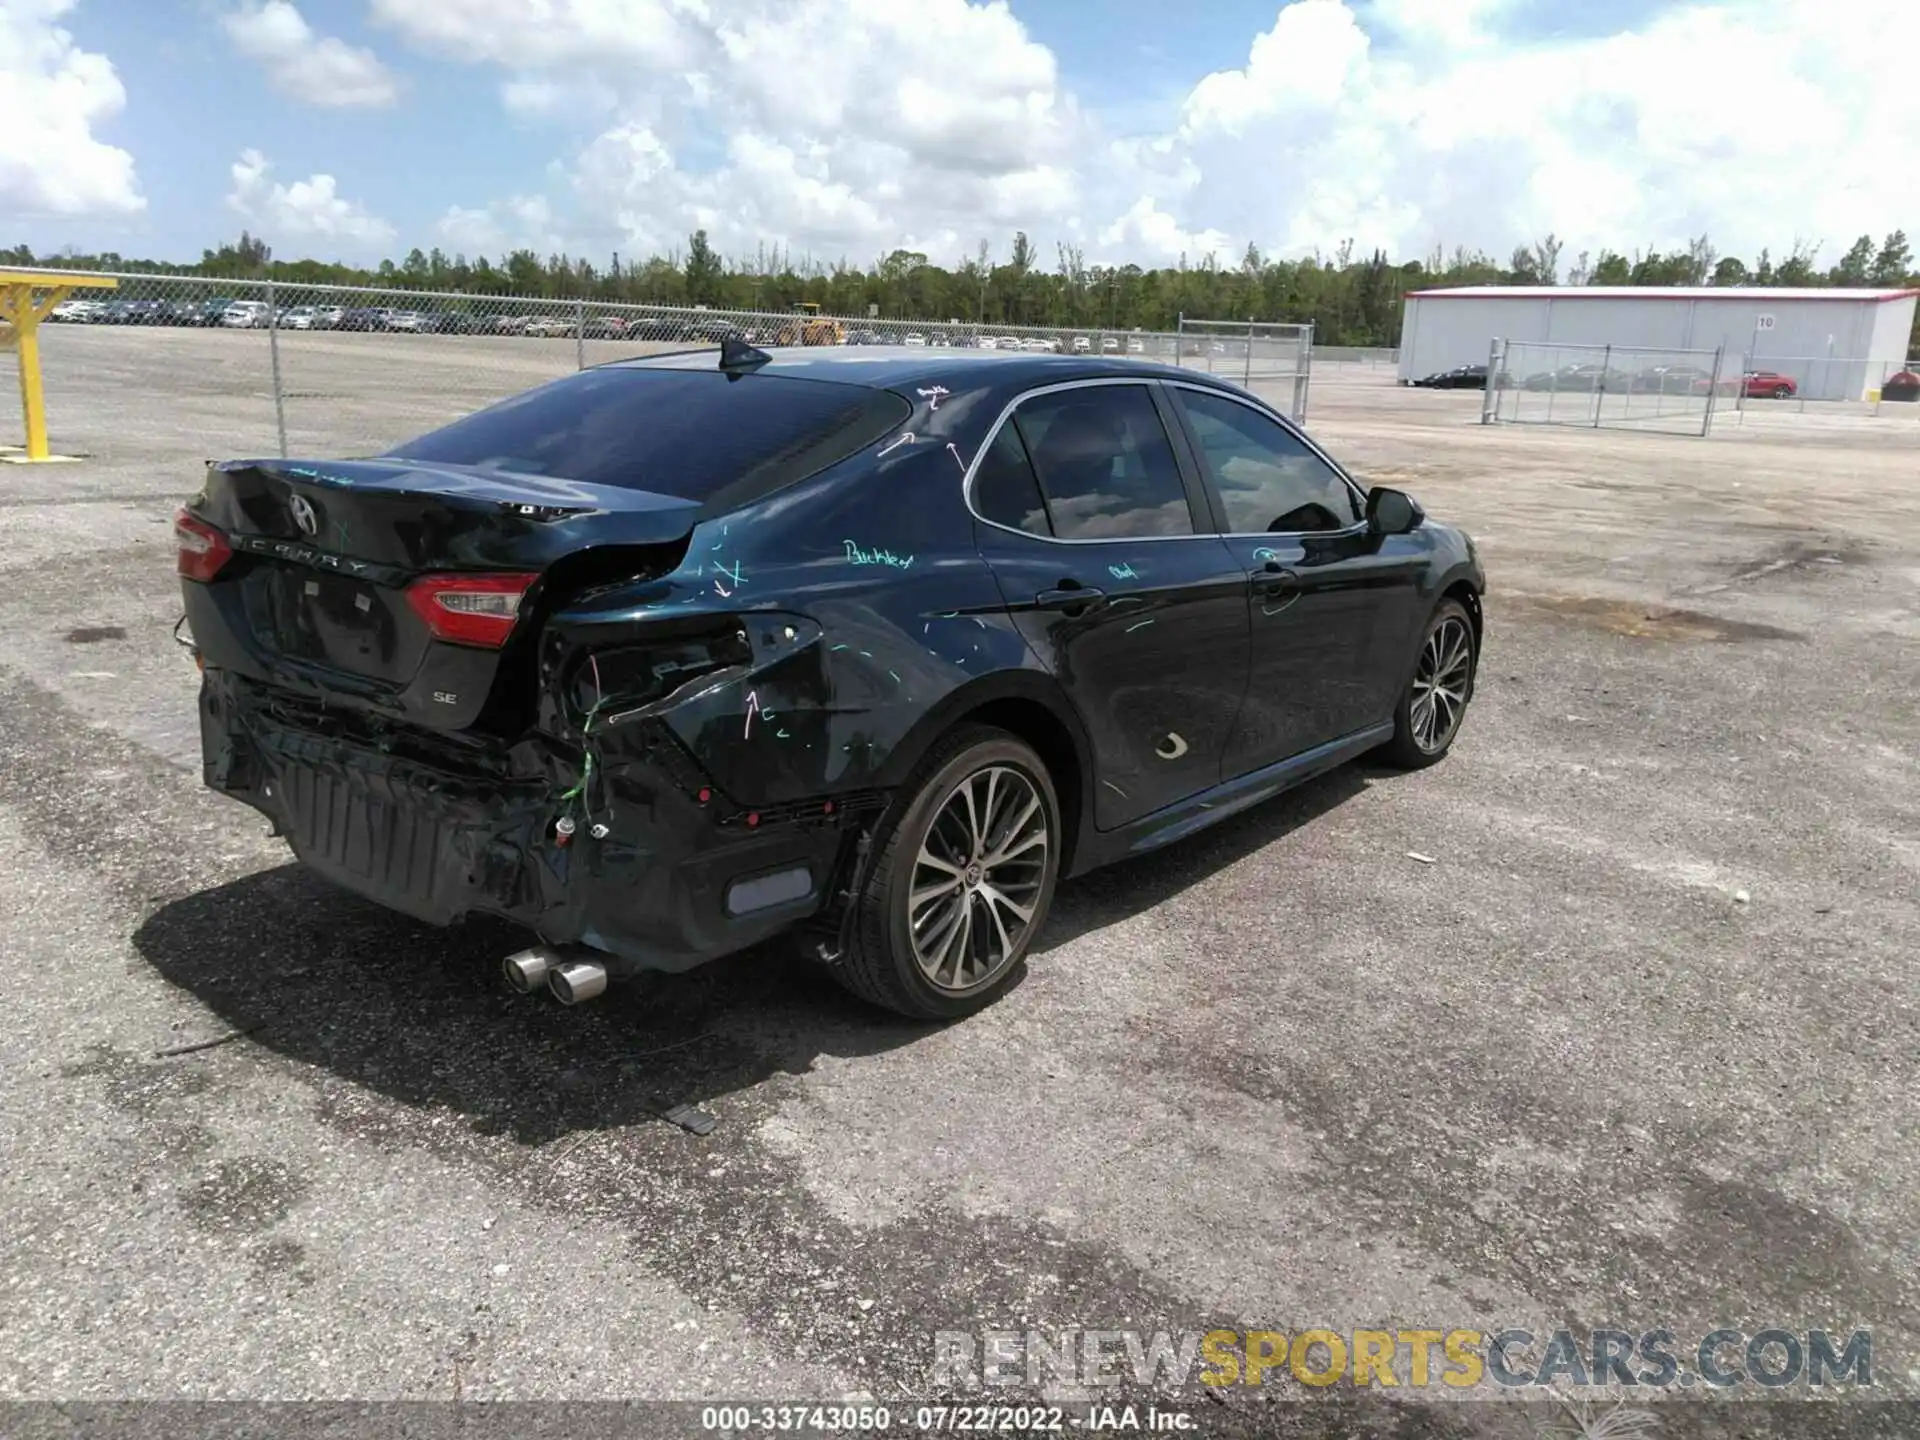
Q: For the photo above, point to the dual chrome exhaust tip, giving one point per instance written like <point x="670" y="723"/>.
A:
<point x="570" y="981"/>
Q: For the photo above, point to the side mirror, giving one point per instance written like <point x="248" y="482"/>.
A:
<point x="1392" y="512"/>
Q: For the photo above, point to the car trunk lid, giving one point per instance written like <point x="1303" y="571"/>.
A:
<point x="402" y="584"/>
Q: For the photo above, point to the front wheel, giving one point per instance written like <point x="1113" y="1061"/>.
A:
<point x="1782" y="392"/>
<point x="1435" y="701"/>
<point x="962" y="881"/>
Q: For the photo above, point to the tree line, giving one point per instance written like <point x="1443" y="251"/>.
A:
<point x="1349" y="298"/>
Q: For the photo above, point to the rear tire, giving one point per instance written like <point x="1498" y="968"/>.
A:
<point x="964" y="873"/>
<point x="1434" y="704"/>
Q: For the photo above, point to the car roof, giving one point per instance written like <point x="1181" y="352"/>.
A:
<point x="887" y="368"/>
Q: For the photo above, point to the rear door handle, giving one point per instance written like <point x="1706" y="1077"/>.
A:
<point x="1072" y="599"/>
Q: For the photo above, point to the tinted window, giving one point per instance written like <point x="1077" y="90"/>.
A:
<point x="1268" y="479"/>
<point x="1105" y="463"/>
<point x="695" y="434"/>
<point x="1004" y="488"/>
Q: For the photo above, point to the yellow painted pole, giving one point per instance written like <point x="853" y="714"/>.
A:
<point x="17" y="306"/>
<point x="33" y="399"/>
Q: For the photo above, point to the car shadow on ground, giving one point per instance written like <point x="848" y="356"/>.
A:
<point x="420" y="1013"/>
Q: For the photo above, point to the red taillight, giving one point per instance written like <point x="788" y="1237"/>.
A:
<point x="469" y="609"/>
<point x="204" y="550"/>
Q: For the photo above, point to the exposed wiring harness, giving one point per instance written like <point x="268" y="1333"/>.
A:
<point x="590" y="767"/>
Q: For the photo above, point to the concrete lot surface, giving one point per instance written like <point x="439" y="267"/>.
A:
<point x="1639" y="1049"/>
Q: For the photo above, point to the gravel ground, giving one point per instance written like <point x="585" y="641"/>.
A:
<point x="1638" y="1049"/>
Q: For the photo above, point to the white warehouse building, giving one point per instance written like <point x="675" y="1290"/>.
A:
<point x="1835" y="344"/>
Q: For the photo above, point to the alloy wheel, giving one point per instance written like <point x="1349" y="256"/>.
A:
<point x="1440" y="684"/>
<point x="977" y="879"/>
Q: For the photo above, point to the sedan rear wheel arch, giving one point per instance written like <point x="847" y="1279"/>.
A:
<point x="964" y="872"/>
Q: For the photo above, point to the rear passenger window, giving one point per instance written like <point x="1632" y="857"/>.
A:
<point x="1004" y="488"/>
<point x="1105" y="463"/>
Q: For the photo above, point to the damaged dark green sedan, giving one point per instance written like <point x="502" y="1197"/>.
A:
<point x="674" y="655"/>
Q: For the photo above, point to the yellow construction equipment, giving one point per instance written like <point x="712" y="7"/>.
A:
<point x="807" y="328"/>
<point x="20" y="316"/>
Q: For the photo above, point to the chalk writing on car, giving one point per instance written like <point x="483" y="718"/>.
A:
<point x="857" y="556"/>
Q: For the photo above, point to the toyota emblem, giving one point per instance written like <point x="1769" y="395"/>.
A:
<point x="303" y="515"/>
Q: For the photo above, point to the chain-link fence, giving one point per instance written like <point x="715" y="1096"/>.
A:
<point x="1251" y="352"/>
<point x="1372" y="357"/>
<point x="309" y="368"/>
<point x="1605" y="387"/>
<point x="1826" y="385"/>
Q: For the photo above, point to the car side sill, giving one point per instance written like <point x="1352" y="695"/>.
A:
<point x="1197" y="812"/>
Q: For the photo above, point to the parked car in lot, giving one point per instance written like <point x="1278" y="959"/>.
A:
<point x="1770" y="385"/>
<point x="212" y="310"/>
<point x="650" y="327"/>
<point x="298" y="317"/>
<point x="709" y="332"/>
<point x="914" y="338"/>
<point x="673" y="655"/>
<point x="76" y="312"/>
<point x="1583" y="377"/>
<point x="1461" y="377"/>
<point x="549" y="327"/>
<point x="245" y="315"/>
<point x="363" y="317"/>
<point x="409" y="320"/>
<point x="1674" y="380"/>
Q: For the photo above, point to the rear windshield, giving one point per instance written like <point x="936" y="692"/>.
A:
<point x="695" y="434"/>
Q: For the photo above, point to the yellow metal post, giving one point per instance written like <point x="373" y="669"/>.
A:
<point x="18" y="308"/>
<point x="22" y="314"/>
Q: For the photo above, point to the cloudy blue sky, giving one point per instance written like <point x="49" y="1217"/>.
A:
<point x="1135" y="129"/>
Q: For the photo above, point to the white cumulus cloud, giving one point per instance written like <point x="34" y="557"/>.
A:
<point x="309" y="210"/>
<point x="1447" y="23"/>
<point x="854" y="127"/>
<point x="1640" y="138"/>
<point x="840" y="127"/>
<point x="52" y="95"/>
<point x="520" y="222"/>
<point x="319" y="69"/>
<point x="554" y="35"/>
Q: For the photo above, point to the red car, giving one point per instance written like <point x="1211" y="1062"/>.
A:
<point x="1760" y="385"/>
<point x="1769" y="384"/>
